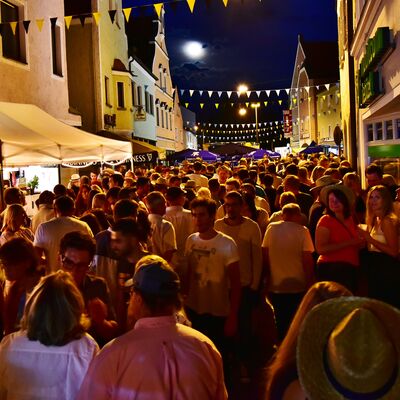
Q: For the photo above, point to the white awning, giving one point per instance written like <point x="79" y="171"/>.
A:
<point x="30" y="136"/>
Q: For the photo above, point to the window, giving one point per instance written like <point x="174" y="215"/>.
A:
<point x="56" y="48"/>
<point x="389" y="130"/>
<point x="151" y="104"/>
<point x="158" y="116"/>
<point x="13" y="45"/>
<point x="162" y="118"/>
<point x="133" y="87"/>
<point x="370" y="132"/>
<point x="107" y="89"/>
<point x="379" y="131"/>
<point x="397" y="128"/>
<point x="121" y="94"/>
<point x="170" y="121"/>
<point x="146" y="101"/>
<point x="139" y="96"/>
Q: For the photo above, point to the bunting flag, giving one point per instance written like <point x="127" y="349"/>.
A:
<point x="127" y="13"/>
<point x="294" y="100"/>
<point x="225" y="2"/>
<point x="82" y="19"/>
<point x="13" y="26"/>
<point x="219" y="94"/>
<point x="210" y="93"/>
<point x="232" y="104"/>
<point x="191" y="4"/>
<point x="265" y="103"/>
<point x="40" y="23"/>
<point x="216" y="105"/>
<point x="68" y="20"/>
<point x="248" y="93"/>
<point x="191" y="93"/>
<point x="201" y="92"/>
<point x="186" y="105"/>
<point x="112" y="14"/>
<point x="201" y="105"/>
<point x="258" y="93"/>
<point x="158" y="7"/>
<point x="280" y="102"/>
<point x="96" y="17"/>
<point x="327" y="86"/>
<point x="247" y="105"/>
<point x="229" y="94"/>
<point x="26" y="25"/>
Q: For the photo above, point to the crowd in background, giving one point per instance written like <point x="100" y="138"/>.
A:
<point x="202" y="280"/>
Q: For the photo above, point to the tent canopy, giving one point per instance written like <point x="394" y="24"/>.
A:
<point x="231" y="149"/>
<point x="261" y="153"/>
<point x="189" y="154"/>
<point x="30" y="136"/>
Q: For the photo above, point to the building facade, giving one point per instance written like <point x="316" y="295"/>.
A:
<point x="33" y="65"/>
<point x="143" y="92"/>
<point x="100" y="85"/>
<point x="376" y="51"/>
<point x="190" y="128"/>
<point x="315" y="73"/>
<point x="178" y="124"/>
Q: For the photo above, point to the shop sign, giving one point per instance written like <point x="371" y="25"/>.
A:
<point x="370" y="77"/>
<point x="287" y="123"/>
<point x="376" y="48"/>
<point x="370" y="88"/>
<point x="150" y="157"/>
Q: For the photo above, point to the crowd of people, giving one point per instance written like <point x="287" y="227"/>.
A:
<point x="264" y="280"/>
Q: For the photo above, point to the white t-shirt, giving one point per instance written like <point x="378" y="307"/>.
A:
<point x="208" y="273"/>
<point x="201" y="180"/>
<point x="49" y="234"/>
<point x="30" y="370"/>
<point x="163" y="236"/>
<point x="247" y="237"/>
<point x="182" y="221"/>
<point x="286" y="241"/>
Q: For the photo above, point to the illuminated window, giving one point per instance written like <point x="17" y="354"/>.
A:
<point x="121" y="94"/>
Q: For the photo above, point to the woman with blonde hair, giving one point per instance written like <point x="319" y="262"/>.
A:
<point x="49" y="357"/>
<point x="382" y="237"/>
<point x="282" y="372"/>
<point x="13" y="224"/>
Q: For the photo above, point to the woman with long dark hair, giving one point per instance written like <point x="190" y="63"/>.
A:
<point x="337" y="240"/>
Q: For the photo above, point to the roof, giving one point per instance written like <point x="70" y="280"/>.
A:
<point x="119" y="66"/>
<point x="321" y="60"/>
<point x="141" y="33"/>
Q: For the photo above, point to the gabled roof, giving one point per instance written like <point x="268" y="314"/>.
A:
<point x="141" y="33"/>
<point x="322" y="60"/>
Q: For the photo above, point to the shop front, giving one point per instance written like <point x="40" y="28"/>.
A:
<point x="376" y="49"/>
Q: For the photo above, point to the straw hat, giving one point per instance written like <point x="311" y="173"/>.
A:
<point x="325" y="180"/>
<point x="344" y="189"/>
<point x="190" y="184"/>
<point x="74" y="178"/>
<point x="349" y="348"/>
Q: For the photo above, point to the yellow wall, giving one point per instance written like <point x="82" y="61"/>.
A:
<point x="328" y="113"/>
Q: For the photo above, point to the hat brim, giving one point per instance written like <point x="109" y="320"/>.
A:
<point x="344" y="189"/>
<point x="333" y="182"/>
<point x="314" y="335"/>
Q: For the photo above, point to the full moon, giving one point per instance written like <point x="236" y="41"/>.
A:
<point x="194" y="50"/>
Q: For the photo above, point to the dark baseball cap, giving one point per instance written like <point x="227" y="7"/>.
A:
<point x="155" y="279"/>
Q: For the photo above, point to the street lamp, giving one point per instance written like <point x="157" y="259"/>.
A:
<point x="256" y="106"/>
<point x="242" y="88"/>
<point x="242" y="112"/>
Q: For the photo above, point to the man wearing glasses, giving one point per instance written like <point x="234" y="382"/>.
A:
<point x="76" y="253"/>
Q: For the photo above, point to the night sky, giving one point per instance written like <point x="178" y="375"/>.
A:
<point x="249" y="41"/>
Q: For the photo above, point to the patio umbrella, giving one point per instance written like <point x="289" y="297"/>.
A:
<point x="261" y="153"/>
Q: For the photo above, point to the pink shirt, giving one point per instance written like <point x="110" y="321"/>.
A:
<point x="157" y="360"/>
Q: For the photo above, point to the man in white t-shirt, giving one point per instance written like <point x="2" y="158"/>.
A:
<point x="288" y="249"/>
<point x="247" y="236"/>
<point x="201" y="180"/>
<point x="214" y="289"/>
<point x="163" y="239"/>
<point x="49" y="234"/>
<point x="182" y="221"/>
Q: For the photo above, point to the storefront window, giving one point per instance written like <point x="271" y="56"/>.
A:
<point x="379" y="131"/>
<point x="370" y="131"/>
<point x="397" y="128"/>
<point x="389" y="130"/>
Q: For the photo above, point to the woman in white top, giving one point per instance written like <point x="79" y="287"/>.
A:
<point x="48" y="358"/>
<point x="382" y="236"/>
